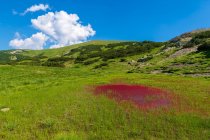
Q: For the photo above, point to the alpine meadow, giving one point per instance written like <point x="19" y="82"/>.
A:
<point x="70" y="82"/>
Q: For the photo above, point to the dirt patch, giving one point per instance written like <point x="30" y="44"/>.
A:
<point x="142" y="96"/>
<point x="183" y="52"/>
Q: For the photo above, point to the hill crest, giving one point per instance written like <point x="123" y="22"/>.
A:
<point x="187" y="54"/>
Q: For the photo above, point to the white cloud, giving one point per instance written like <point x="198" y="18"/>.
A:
<point x="63" y="28"/>
<point x="35" y="42"/>
<point x="35" y="8"/>
<point x="58" y="29"/>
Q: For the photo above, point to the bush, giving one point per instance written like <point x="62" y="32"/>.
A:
<point x="203" y="35"/>
<point x="199" y="38"/>
<point x="90" y="62"/>
<point x="130" y="71"/>
<point x="53" y="64"/>
<point x="115" y="50"/>
<point x="204" y="47"/>
<point x="56" y="62"/>
<point x="100" y="65"/>
<point x="81" y="58"/>
<point x="145" y="59"/>
<point x="123" y="60"/>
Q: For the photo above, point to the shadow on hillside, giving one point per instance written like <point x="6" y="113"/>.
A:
<point x="207" y="54"/>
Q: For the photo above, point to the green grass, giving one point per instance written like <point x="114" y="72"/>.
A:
<point x="146" y="57"/>
<point x="56" y="103"/>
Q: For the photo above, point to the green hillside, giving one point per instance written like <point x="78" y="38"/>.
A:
<point x="185" y="54"/>
<point x="48" y="94"/>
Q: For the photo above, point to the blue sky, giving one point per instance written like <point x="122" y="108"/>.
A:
<point x="110" y="19"/>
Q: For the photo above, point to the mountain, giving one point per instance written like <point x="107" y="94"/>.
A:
<point x="187" y="54"/>
<point x="107" y="90"/>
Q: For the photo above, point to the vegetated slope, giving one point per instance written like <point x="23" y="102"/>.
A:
<point x="53" y="102"/>
<point x="185" y="54"/>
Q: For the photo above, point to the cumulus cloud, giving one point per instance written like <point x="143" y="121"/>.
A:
<point x="35" y="42"/>
<point x="63" y="28"/>
<point x="35" y="8"/>
<point x="58" y="29"/>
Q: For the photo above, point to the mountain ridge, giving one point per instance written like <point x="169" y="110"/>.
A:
<point x="187" y="54"/>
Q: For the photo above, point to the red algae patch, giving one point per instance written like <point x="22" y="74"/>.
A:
<point x="142" y="96"/>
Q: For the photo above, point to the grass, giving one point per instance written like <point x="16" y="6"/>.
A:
<point x="56" y="103"/>
<point x="139" y="57"/>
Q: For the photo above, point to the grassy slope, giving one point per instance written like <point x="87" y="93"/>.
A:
<point x="62" y="51"/>
<point x="48" y="53"/>
<point x="96" y="53"/>
<point x="54" y="103"/>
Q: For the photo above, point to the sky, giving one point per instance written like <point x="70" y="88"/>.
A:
<point x="41" y="24"/>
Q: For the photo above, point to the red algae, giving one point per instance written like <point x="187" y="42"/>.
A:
<point x="142" y="96"/>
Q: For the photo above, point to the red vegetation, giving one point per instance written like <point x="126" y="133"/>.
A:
<point x="142" y="96"/>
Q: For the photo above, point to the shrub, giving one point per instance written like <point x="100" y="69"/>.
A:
<point x="123" y="60"/>
<point x="56" y="62"/>
<point x="81" y="58"/>
<point x="116" y="50"/>
<point x="199" y="38"/>
<point x="204" y="47"/>
<point x="100" y="65"/>
<point x="90" y="62"/>
<point x="145" y="59"/>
